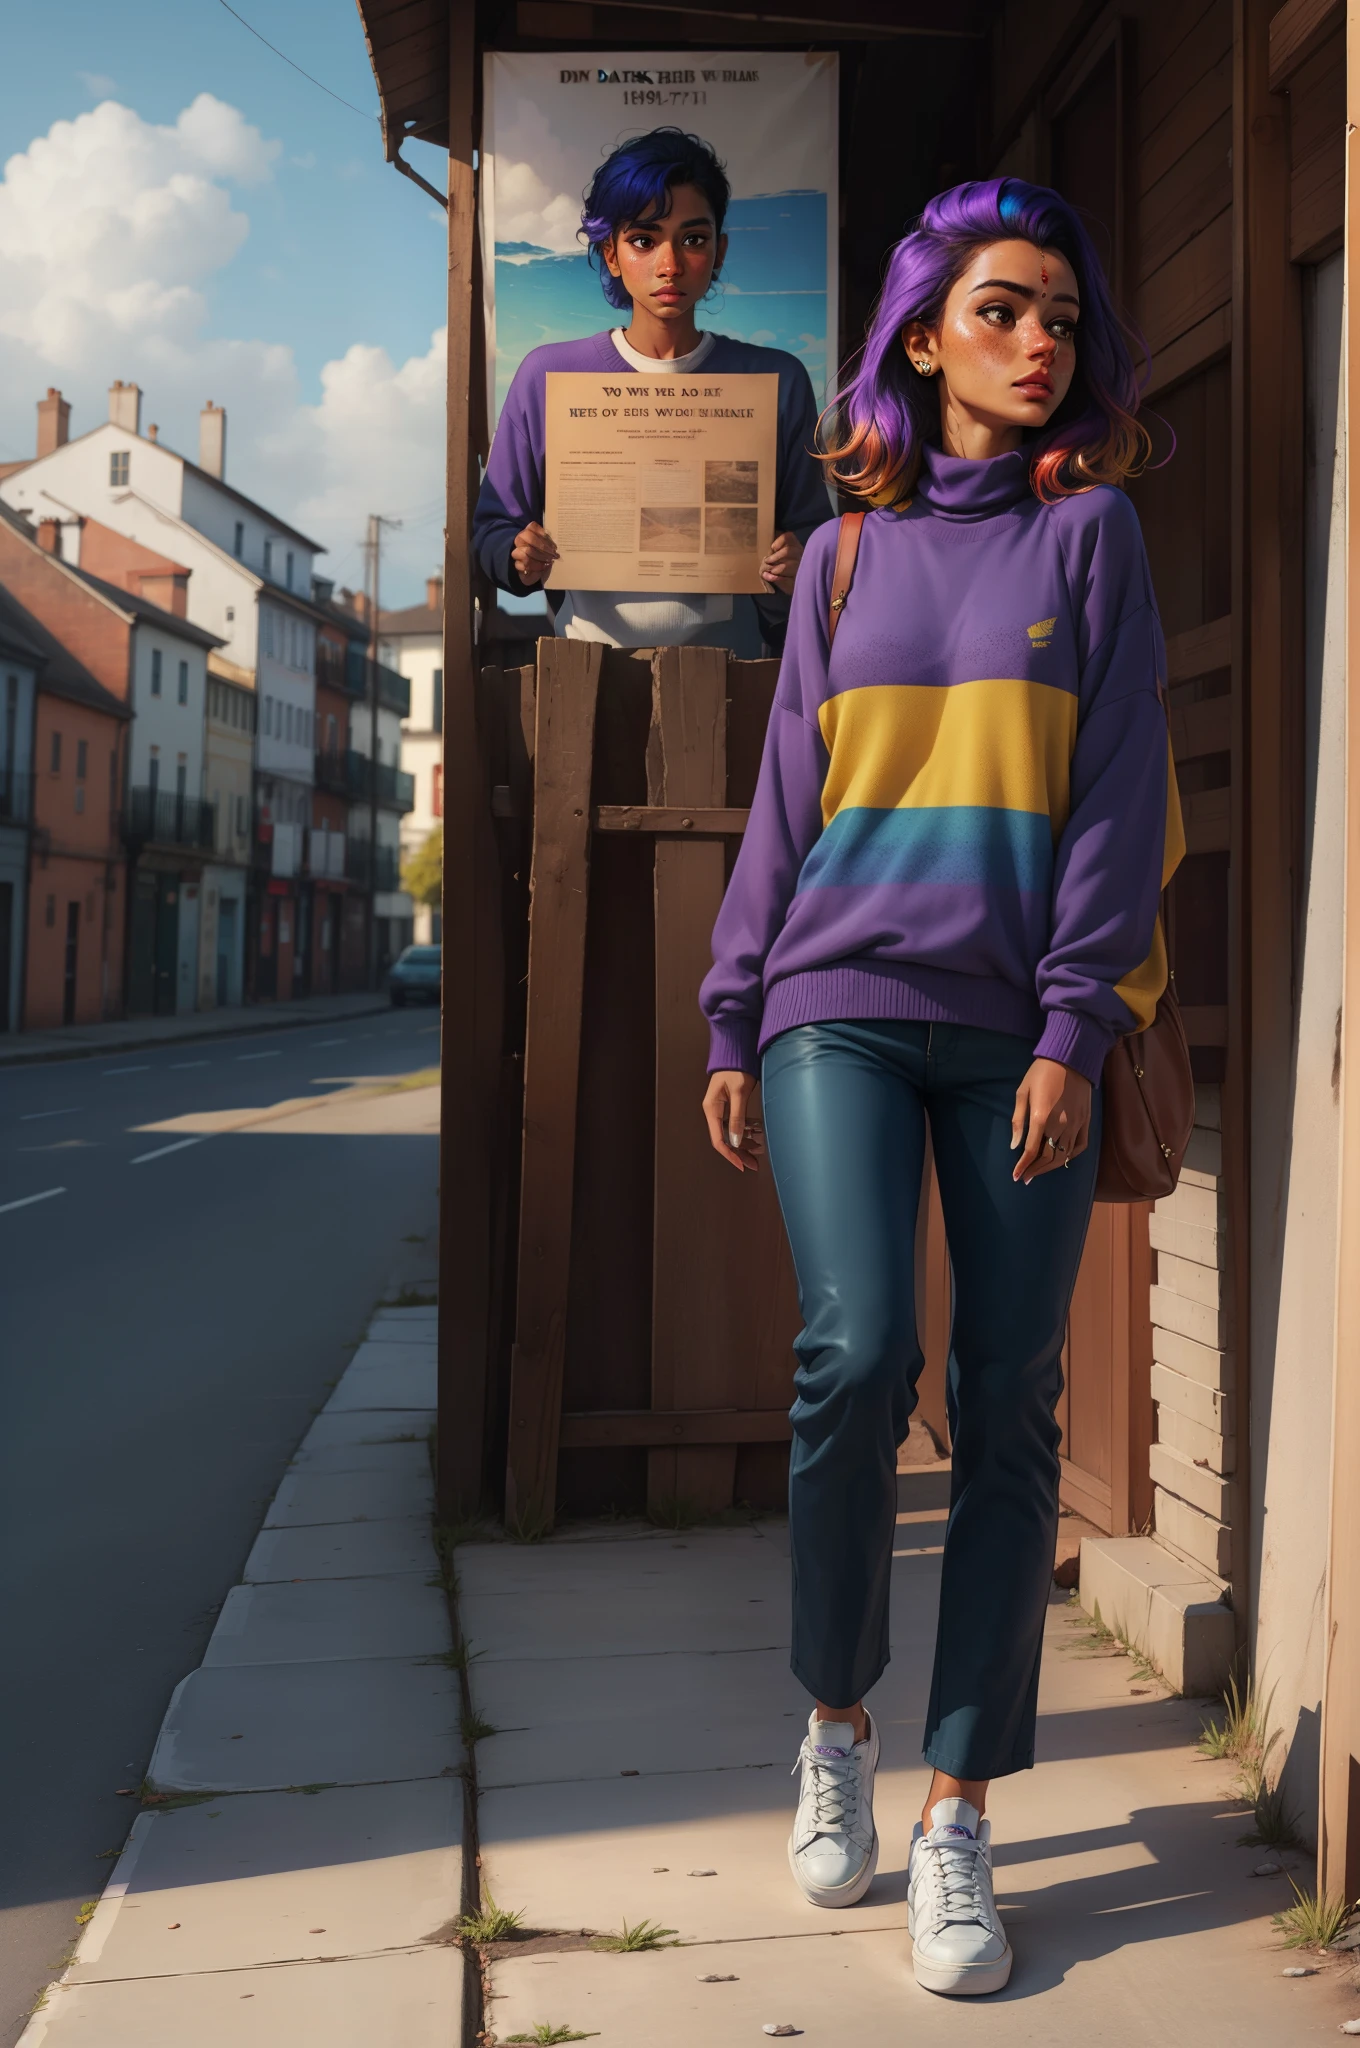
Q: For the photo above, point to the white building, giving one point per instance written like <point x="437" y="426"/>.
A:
<point x="412" y="642"/>
<point x="249" y="582"/>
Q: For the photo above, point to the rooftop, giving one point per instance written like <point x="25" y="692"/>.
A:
<point x="63" y="675"/>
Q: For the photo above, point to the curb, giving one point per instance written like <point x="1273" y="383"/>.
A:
<point x="251" y="1028"/>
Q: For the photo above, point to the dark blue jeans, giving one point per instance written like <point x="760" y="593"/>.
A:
<point x="845" y="1107"/>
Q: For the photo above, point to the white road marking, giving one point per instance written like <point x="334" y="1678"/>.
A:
<point x="183" y="1066"/>
<point x="123" y="1070"/>
<point x="25" y="1200"/>
<point x="34" y="1115"/>
<point x="275" y="1054"/>
<point x="182" y="1146"/>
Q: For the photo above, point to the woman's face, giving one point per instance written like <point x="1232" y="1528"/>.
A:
<point x="669" y="264"/>
<point x="1004" y="351"/>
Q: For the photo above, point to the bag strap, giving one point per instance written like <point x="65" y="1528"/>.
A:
<point x="843" y="574"/>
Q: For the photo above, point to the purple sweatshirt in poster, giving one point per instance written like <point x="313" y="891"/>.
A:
<point x="967" y="814"/>
<point x="512" y="489"/>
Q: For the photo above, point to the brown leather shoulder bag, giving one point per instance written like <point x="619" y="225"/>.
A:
<point x="1147" y="1088"/>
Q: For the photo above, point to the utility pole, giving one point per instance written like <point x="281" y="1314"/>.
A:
<point x="372" y="586"/>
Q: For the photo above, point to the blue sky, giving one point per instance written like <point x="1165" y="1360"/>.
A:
<point x="340" y="253"/>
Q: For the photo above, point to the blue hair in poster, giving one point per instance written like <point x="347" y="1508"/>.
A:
<point x="551" y="118"/>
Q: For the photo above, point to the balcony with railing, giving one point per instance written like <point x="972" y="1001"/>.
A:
<point x="164" y="817"/>
<point x="394" y="691"/>
<point x="16" y="796"/>
<point x="396" y="790"/>
<point x="331" y="772"/>
<point x="380" y="874"/>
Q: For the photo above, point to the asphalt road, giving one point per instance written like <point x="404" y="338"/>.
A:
<point x="174" y="1306"/>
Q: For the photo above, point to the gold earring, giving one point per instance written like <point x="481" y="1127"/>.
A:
<point x="925" y="369"/>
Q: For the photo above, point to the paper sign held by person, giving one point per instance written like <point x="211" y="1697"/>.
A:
<point x="662" y="483"/>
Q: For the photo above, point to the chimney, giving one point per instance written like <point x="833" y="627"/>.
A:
<point x="49" y="536"/>
<point x="434" y="593"/>
<point x="125" y="405"/>
<point x="212" y="439"/>
<point x="360" y="605"/>
<point x="153" y="433"/>
<point x="54" y="421"/>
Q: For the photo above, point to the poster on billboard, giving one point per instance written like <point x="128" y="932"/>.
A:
<point x="550" y="118"/>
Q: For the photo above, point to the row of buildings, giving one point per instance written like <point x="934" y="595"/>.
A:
<point x="201" y="785"/>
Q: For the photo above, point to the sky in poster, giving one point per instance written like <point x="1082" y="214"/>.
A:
<point x="771" y="116"/>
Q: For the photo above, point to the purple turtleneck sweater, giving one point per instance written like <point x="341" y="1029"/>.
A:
<point x="966" y="813"/>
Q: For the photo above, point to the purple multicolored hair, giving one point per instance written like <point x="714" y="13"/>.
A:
<point x="879" y="418"/>
<point x="632" y="188"/>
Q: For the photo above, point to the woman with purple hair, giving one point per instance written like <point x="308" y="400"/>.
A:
<point x="653" y="224"/>
<point x="945" y="910"/>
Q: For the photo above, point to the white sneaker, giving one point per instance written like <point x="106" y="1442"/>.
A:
<point x="958" y="1942"/>
<point x="833" y="1850"/>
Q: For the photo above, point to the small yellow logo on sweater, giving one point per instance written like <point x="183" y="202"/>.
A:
<point x="1041" y="634"/>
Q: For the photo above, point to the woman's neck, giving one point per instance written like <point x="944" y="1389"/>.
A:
<point x="976" y="440"/>
<point x="661" y="339"/>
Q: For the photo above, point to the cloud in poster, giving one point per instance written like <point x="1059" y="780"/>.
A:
<point x="529" y="210"/>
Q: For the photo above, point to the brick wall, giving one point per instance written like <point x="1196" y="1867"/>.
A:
<point x="1194" y="1456"/>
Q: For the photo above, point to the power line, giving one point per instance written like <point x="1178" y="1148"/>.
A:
<point x="366" y="112"/>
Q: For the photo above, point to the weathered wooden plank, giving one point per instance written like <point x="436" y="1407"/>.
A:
<point x="1200" y="51"/>
<point x="646" y="1429"/>
<point x="471" y="1025"/>
<point x="1192" y="351"/>
<point x="1199" y="651"/>
<point x="1205" y="1023"/>
<point x="564" y="739"/>
<point x="695" y="1214"/>
<point x="1317" y="152"/>
<point x="1190" y="118"/>
<point x="1196" y="280"/>
<point x="1208" y="820"/>
<point x="674" y="819"/>
<point x="1193" y="192"/>
<point x="1203" y="728"/>
<point x="1298" y="29"/>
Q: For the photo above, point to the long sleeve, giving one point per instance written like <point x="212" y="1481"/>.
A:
<point x="512" y="489"/>
<point x="785" y="822"/>
<point x="1112" y="853"/>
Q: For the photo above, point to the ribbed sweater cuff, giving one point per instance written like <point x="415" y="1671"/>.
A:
<point x="732" y="1045"/>
<point x="1077" y="1042"/>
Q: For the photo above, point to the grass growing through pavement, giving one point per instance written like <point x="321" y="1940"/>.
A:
<point x="545" y="2034"/>
<point x="1107" y="1638"/>
<point x="1241" y="1738"/>
<point x="473" y="1728"/>
<point x="85" y="1913"/>
<point x="642" y="1935"/>
<point x="1312" y="1921"/>
<point x="492" y="1923"/>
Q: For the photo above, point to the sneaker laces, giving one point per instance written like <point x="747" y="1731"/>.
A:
<point x="835" y="1790"/>
<point x="956" y="1895"/>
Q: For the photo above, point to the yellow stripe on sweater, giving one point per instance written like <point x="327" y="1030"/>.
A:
<point x="1004" y="744"/>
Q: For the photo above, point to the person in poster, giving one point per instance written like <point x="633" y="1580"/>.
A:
<point x="653" y="222"/>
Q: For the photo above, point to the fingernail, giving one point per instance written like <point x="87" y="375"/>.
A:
<point x="1014" y="1143"/>
<point x="734" y="1140"/>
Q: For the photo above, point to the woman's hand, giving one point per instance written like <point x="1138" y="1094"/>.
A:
<point x="780" y="566"/>
<point x="1052" y="1117"/>
<point x="740" y="1141"/>
<point x="533" y="554"/>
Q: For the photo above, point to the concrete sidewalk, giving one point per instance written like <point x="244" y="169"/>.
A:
<point x="298" y="1861"/>
<point x="142" y="1034"/>
<point x="648" y="1724"/>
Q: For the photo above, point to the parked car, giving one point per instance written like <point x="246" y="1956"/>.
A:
<point x="415" y="974"/>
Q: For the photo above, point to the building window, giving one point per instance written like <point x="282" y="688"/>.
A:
<point x="56" y="753"/>
<point x="241" y="816"/>
<point x="82" y="759"/>
<point x="231" y="609"/>
<point x="154" y="771"/>
<point x="438" y="708"/>
<point x="80" y="797"/>
<point x="238" y="545"/>
<point x="155" y="671"/>
<point x="118" y="468"/>
<point x="183" y="693"/>
<point x="269" y="558"/>
<point x="51" y="916"/>
<point x="288" y="568"/>
<point x="113" y="782"/>
<point x="181" y="781"/>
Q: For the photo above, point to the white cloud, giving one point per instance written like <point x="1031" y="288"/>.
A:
<point x="97" y="85"/>
<point x="111" y="230"/>
<point x="527" y="210"/>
